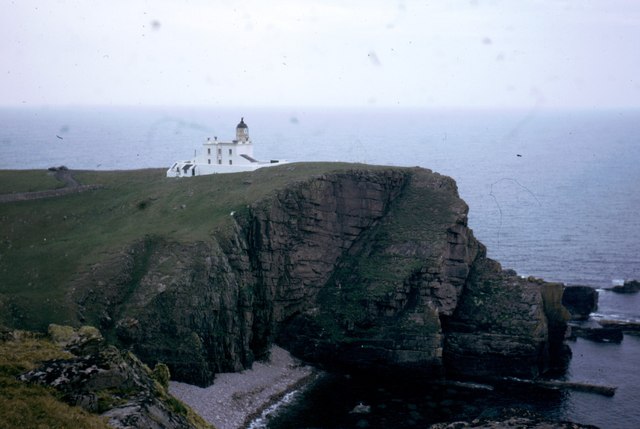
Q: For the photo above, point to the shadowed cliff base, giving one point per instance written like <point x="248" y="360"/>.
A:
<point x="346" y="266"/>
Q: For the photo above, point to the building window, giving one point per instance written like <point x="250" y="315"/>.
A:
<point x="219" y="161"/>
<point x="230" y="151"/>
<point x="230" y="162"/>
<point x="219" y="151"/>
<point x="209" y="161"/>
<point x="208" y="151"/>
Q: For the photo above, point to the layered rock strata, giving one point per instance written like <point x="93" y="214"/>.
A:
<point x="372" y="268"/>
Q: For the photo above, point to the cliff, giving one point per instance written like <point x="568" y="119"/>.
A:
<point x="345" y="266"/>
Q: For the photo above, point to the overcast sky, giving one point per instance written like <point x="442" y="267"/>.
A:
<point x="524" y="53"/>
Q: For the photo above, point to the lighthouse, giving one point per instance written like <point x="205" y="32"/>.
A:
<point x="242" y="132"/>
<point x="222" y="157"/>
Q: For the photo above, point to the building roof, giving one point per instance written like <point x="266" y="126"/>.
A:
<point x="242" y="124"/>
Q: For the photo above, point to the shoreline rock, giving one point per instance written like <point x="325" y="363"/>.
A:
<point x="596" y="331"/>
<point x="520" y="418"/>
<point x="629" y="286"/>
<point x="581" y="301"/>
<point x="627" y="327"/>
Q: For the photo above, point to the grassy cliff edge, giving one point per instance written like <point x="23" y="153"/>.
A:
<point x="44" y="243"/>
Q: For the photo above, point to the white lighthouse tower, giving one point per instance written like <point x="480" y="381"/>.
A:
<point x="223" y="157"/>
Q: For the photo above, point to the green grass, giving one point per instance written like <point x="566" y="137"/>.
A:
<point x="46" y="243"/>
<point x="12" y="181"/>
<point x="30" y="406"/>
<point x="25" y="405"/>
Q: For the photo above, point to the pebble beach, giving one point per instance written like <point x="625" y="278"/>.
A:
<point x="235" y="398"/>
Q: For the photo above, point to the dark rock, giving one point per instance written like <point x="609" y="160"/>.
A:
<point x="505" y="325"/>
<point x="6" y="334"/>
<point x="581" y="301"/>
<point x="627" y="327"/>
<point x="629" y="286"/>
<point x="512" y="418"/>
<point x="594" y="331"/>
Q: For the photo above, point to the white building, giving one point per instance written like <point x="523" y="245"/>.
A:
<point x="223" y="157"/>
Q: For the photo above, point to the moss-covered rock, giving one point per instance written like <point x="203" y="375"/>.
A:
<point x="25" y="405"/>
<point x="162" y="375"/>
<point x="62" y="335"/>
<point x="505" y="325"/>
<point x="86" y="339"/>
<point x="104" y="380"/>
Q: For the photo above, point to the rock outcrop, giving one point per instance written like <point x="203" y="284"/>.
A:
<point x="370" y="268"/>
<point x="595" y="331"/>
<point x="629" y="286"/>
<point x="512" y="418"/>
<point x="113" y="383"/>
<point x="506" y="325"/>
<point x="581" y="301"/>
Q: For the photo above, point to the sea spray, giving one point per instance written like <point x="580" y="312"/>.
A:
<point x="262" y="421"/>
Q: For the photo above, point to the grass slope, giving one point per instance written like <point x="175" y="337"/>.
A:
<point x="30" y="406"/>
<point x="45" y="243"/>
<point x="12" y="181"/>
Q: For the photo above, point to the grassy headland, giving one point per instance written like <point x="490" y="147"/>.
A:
<point x="44" y="243"/>
<point x="27" y="181"/>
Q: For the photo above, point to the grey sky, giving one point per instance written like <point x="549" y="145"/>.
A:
<point x="523" y="53"/>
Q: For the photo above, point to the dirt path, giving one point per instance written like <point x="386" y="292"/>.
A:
<point x="66" y="176"/>
<point x="71" y="186"/>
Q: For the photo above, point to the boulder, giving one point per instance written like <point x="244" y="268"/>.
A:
<point x="84" y="340"/>
<point x="581" y="301"/>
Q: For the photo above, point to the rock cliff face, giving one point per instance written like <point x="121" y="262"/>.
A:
<point x="371" y="268"/>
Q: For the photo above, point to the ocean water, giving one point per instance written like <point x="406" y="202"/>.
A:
<point x="553" y="194"/>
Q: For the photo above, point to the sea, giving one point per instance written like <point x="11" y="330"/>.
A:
<point x="553" y="194"/>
